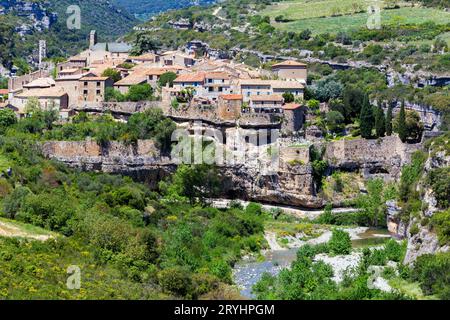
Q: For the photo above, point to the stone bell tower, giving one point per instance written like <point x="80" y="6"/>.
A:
<point x="92" y="38"/>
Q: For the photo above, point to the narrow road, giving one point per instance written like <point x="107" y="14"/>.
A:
<point x="297" y="212"/>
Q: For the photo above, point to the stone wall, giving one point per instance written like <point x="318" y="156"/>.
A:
<point x="127" y="108"/>
<point x="384" y="157"/>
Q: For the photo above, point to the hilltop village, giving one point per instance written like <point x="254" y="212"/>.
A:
<point x="195" y="87"/>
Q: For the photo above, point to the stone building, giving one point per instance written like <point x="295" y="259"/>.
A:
<point x="92" y="89"/>
<point x="229" y="106"/>
<point x="52" y="98"/>
<point x="294" y="118"/>
<point x="291" y="70"/>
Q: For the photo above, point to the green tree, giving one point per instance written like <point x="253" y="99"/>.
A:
<point x="335" y="121"/>
<point x="389" y="120"/>
<point x="372" y="204"/>
<point x="7" y="118"/>
<point x="167" y="78"/>
<point x="112" y="73"/>
<point x="288" y="97"/>
<point x="340" y="242"/>
<point x="140" y="92"/>
<point x="380" y="122"/>
<point x="367" y="119"/>
<point x="353" y="98"/>
<point x="413" y="127"/>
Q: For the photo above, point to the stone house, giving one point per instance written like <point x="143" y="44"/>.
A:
<point x="257" y="87"/>
<point x="49" y="98"/>
<point x="92" y="89"/>
<point x="135" y="78"/>
<point x="291" y="70"/>
<point x="71" y="84"/>
<point x="266" y="103"/>
<point x="229" y="106"/>
<point x="294" y="117"/>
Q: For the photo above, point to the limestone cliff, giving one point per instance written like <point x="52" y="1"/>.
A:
<point x="425" y="240"/>
<point x="290" y="182"/>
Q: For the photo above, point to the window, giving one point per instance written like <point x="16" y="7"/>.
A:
<point x="85" y="83"/>
<point x="85" y="92"/>
<point x="99" y="92"/>
<point x="220" y="89"/>
<point x="98" y="83"/>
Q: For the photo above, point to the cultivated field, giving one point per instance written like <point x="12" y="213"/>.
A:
<point x="320" y="15"/>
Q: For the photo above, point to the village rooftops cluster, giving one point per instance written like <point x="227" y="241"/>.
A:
<point x="81" y="81"/>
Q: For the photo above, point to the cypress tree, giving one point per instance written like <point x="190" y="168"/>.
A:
<point x="380" y="122"/>
<point x="107" y="47"/>
<point x="402" y="131"/>
<point x="389" y="120"/>
<point x="367" y="120"/>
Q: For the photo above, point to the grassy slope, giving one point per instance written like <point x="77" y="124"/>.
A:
<point x="317" y="15"/>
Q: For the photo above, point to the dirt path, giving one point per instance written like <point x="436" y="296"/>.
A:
<point x="12" y="231"/>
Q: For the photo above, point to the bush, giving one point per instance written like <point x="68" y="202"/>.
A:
<point x="253" y="209"/>
<point x="432" y="273"/>
<point x="394" y="251"/>
<point x="441" y="223"/>
<point x="340" y="242"/>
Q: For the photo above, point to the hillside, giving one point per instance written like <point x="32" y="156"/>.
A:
<point x="24" y="23"/>
<point x="147" y="8"/>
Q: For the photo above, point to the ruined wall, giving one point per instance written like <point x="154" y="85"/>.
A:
<point x="384" y="156"/>
<point x="294" y="154"/>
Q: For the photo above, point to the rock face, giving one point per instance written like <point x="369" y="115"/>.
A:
<point x="37" y="13"/>
<point x="425" y="241"/>
<point x="289" y="182"/>
<point x="376" y="158"/>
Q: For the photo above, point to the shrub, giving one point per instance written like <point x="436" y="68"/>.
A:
<point x="394" y="251"/>
<point x="340" y="242"/>
<point x="441" y="223"/>
<point x="432" y="273"/>
<point x="253" y="209"/>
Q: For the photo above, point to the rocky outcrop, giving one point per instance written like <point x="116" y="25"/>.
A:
<point x="36" y="15"/>
<point x="376" y="158"/>
<point x="424" y="240"/>
<point x="288" y="180"/>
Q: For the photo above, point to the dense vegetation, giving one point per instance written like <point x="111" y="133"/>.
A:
<point x="109" y="21"/>
<point x="310" y="279"/>
<point x="128" y="241"/>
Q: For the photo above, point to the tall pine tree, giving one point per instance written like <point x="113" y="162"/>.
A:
<point x="367" y="120"/>
<point x="380" y="122"/>
<point x="389" y="119"/>
<point x="402" y="130"/>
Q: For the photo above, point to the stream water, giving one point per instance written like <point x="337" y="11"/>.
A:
<point x="249" y="271"/>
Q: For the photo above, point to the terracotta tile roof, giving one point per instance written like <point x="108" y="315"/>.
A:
<point x="231" y="96"/>
<point x="40" y="82"/>
<point x="132" y="79"/>
<point x="278" y="84"/>
<point x="3" y="91"/>
<point x="155" y="71"/>
<point x="217" y="75"/>
<point x="268" y="97"/>
<point x="53" y="92"/>
<point x="78" y="58"/>
<point x="255" y="82"/>
<point x="68" y="70"/>
<point x="291" y="106"/>
<point x="191" y="77"/>
<point x="289" y="63"/>
<point x="144" y="57"/>
<point x="94" y="79"/>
